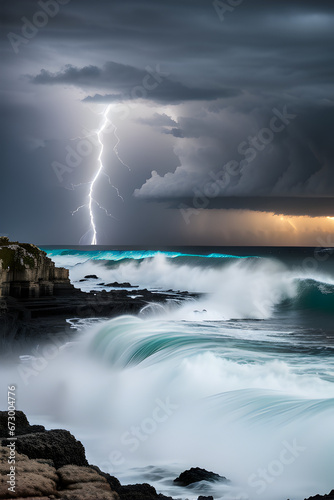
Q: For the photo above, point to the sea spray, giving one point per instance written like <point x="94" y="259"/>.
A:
<point x="239" y="380"/>
<point x="226" y="403"/>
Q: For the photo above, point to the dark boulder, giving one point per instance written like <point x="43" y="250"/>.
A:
<point x="112" y="480"/>
<point x="195" y="474"/>
<point x="120" y="285"/>
<point x="91" y="277"/>
<point x="56" y="445"/>
<point x="131" y="491"/>
<point x="140" y="492"/>
<point x="205" y="498"/>
<point x="22" y="425"/>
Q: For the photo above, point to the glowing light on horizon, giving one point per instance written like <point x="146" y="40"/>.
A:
<point x="288" y="219"/>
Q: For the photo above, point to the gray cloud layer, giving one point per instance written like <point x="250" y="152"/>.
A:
<point x="130" y="83"/>
<point x="290" y="163"/>
<point x="214" y="87"/>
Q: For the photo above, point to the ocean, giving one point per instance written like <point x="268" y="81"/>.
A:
<point x="239" y="380"/>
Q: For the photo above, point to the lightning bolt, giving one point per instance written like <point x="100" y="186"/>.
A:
<point x="97" y="175"/>
<point x="100" y="171"/>
<point x="115" y="149"/>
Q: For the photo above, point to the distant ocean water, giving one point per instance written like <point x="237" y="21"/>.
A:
<point x="239" y="381"/>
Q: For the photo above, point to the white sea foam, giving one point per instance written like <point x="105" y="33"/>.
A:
<point x="181" y="387"/>
<point x="146" y="391"/>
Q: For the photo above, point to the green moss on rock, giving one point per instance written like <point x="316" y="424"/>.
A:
<point x="29" y="261"/>
<point x="4" y="241"/>
<point x="33" y="250"/>
<point x="19" y="256"/>
<point x="8" y="258"/>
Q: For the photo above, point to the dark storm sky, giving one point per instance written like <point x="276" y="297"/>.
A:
<point x="224" y="114"/>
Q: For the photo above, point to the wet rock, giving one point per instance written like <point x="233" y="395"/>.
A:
<point x="91" y="277"/>
<point x="113" y="481"/>
<point x="121" y="285"/>
<point x="195" y="474"/>
<point x="36" y="479"/>
<point x="39" y="320"/>
<point x="140" y="492"/>
<point x="57" y="445"/>
<point x="22" y="425"/>
<point x="131" y="491"/>
<point x="205" y="498"/>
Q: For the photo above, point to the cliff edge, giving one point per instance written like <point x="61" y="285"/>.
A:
<point x="37" y="298"/>
<point x="26" y="272"/>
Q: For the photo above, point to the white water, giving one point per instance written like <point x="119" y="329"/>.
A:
<point x="241" y="289"/>
<point x="180" y="387"/>
<point x="142" y="392"/>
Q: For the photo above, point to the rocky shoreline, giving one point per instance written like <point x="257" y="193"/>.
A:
<point x="37" y="299"/>
<point x="29" y="320"/>
<point x="52" y="464"/>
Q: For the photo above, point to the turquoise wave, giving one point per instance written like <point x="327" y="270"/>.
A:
<point x="117" y="255"/>
<point x="312" y="295"/>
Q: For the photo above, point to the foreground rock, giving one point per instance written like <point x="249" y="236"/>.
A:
<point x="52" y="464"/>
<point x="195" y="474"/>
<point x="22" y="425"/>
<point x="57" y="445"/>
<point x="38" y="478"/>
<point x="115" y="284"/>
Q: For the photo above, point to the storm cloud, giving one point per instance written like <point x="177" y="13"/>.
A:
<point x="215" y="108"/>
<point x="155" y="84"/>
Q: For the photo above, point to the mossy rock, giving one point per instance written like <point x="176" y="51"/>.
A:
<point x="4" y="241"/>
<point x="33" y="250"/>
<point x="9" y="259"/>
<point x="21" y="257"/>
